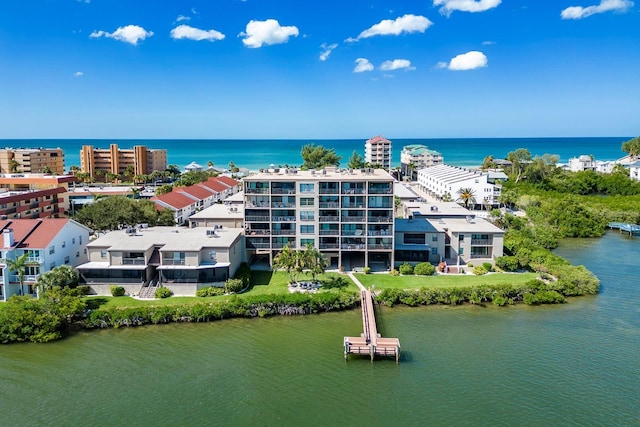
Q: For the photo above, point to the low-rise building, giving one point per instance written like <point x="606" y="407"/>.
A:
<point x="226" y="215"/>
<point x="582" y="163"/>
<point x="444" y="180"/>
<point x="49" y="243"/>
<point x="182" y="259"/>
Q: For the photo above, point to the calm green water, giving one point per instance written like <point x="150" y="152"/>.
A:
<point x="576" y="364"/>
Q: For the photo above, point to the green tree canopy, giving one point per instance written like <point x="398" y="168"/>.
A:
<point x="519" y="160"/>
<point x="317" y="157"/>
<point x="632" y="147"/>
<point x="467" y="196"/>
<point x="356" y="161"/>
<point x="116" y="212"/>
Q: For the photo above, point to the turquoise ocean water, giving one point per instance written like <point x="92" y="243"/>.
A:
<point x="256" y="154"/>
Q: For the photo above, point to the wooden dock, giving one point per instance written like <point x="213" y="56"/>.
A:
<point x="624" y="227"/>
<point x="370" y="342"/>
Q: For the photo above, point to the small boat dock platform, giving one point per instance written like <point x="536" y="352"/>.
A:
<point x="632" y="229"/>
<point x="370" y="342"/>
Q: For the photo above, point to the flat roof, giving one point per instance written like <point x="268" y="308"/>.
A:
<point x="437" y="209"/>
<point x="402" y="191"/>
<point x="403" y="225"/>
<point x="326" y="174"/>
<point x="220" y="211"/>
<point x="475" y="225"/>
<point x="236" y="198"/>
<point x="169" y="238"/>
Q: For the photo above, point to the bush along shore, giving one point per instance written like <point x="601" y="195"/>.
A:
<point x="247" y="307"/>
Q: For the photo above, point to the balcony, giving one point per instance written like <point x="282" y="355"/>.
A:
<point x="379" y="233"/>
<point x="329" y="232"/>
<point x="170" y="261"/>
<point x="280" y="245"/>
<point x="256" y="190"/>
<point x="353" y="191"/>
<point x="353" y="246"/>
<point x="258" y="245"/>
<point x="379" y="246"/>
<point x="283" y="191"/>
<point x="283" y="232"/>
<point x="380" y="191"/>
<point x="257" y="218"/>
<point x="329" y="191"/>
<point x="352" y="232"/>
<point x="325" y="205"/>
<point x="133" y="261"/>
<point x="258" y="232"/>
<point x="329" y="246"/>
<point x="329" y="218"/>
<point x="481" y="242"/>
<point x="380" y="206"/>
<point x="283" y="205"/>
<point x="380" y="219"/>
<point x="283" y="218"/>
<point x="352" y="205"/>
<point x="353" y="219"/>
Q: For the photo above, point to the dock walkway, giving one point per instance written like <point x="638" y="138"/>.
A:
<point x="628" y="228"/>
<point x="370" y="342"/>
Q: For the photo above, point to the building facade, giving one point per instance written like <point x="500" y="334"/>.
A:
<point x="417" y="156"/>
<point x="377" y="151"/>
<point x="444" y="180"/>
<point x="49" y="242"/>
<point x="116" y="160"/>
<point x="346" y="214"/>
<point x="182" y="259"/>
<point x="32" y="160"/>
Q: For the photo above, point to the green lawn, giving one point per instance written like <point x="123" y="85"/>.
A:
<point x="263" y="283"/>
<point x="382" y="281"/>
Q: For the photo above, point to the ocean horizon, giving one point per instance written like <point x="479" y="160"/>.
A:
<point x="255" y="154"/>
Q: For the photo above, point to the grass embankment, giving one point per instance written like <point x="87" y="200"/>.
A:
<point x="262" y="283"/>
<point x="385" y="281"/>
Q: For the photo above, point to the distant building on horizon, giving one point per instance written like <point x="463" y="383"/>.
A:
<point x="417" y="156"/>
<point x="32" y="160"/>
<point x="116" y="160"/>
<point x="377" y="151"/>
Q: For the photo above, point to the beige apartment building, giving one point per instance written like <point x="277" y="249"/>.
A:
<point x="377" y="151"/>
<point x="116" y="160"/>
<point x="32" y="160"/>
<point x="346" y="214"/>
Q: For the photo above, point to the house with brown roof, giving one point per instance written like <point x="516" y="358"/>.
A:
<point x="49" y="243"/>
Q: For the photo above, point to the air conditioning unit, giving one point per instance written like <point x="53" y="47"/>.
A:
<point x="211" y="233"/>
<point x="131" y="231"/>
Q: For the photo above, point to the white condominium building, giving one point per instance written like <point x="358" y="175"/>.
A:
<point x="346" y="214"/>
<point x="377" y="151"/>
<point x="445" y="180"/>
<point x="417" y="156"/>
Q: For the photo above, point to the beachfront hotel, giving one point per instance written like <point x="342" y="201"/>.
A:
<point x="346" y="214"/>
<point x="377" y="151"/>
<point x="414" y="157"/>
<point x="116" y="160"/>
<point x="32" y="160"/>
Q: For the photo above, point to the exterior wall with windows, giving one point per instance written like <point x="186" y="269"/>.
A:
<point x="444" y="180"/>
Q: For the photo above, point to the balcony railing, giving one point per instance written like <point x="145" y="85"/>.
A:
<point x="353" y="219"/>
<point x="257" y="218"/>
<point x="379" y="233"/>
<point x="283" y="205"/>
<point x="380" y="191"/>
<point x="325" y="205"/>
<point x="380" y="219"/>
<point x="353" y="246"/>
<point x="283" y="191"/>
<point x="481" y="242"/>
<point x="258" y="232"/>
<point x="292" y="245"/>
<point x="352" y="205"/>
<point x="353" y="191"/>
<point x="256" y="190"/>
<point x="380" y="206"/>
<point x="166" y="261"/>
<point x="385" y="246"/>
<point x="133" y="261"/>
<point x="329" y="191"/>
<point x="283" y="218"/>
<point x="352" y="232"/>
<point x="258" y="245"/>
<point x="329" y="232"/>
<point x="329" y="246"/>
<point x="283" y="232"/>
<point x="329" y="219"/>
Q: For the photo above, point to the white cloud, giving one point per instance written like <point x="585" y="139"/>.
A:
<point x="362" y="65"/>
<point x="465" y="61"/>
<point x="326" y="50"/>
<point x="267" y="32"/>
<point x="397" y="64"/>
<point x="449" y="6"/>
<point x="191" y="33"/>
<point x="128" y="34"/>
<point x="404" y="24"/>
<point x="579" y="12"/>
<point x="181" y="18"/>
<point x="78" y="74"/>
<point x="488" y="43"/>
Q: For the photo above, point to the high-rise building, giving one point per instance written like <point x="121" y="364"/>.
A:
<point x="32" y="160"/>
<point x="346" y="214"/>
<point x="377" y="151"/>
<point x="116" y="160"/>
<point x="417" y="156"/>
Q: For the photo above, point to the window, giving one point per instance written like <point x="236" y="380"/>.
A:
<point x="32" y="270"/>
<point x="306" y="215"/>
<point x="77" y="254"/>
<point x="461" y="251"/>
<point x="52" y="250"/>
<point x="64" y="244"/>
<point x="66" y="260"/>
<point x="73" y="240"/>
<point x="461" y="237"/>
<point x="307" y="229"/>
<point x="414" y="238"/>
<point x="80" y="240"/>
<point x="212" y="255"/>
<point x="434" y="251"/>
<point x="307" y="188"/>
<point x="52" y="266"/>
<point x="103" y="253"/>
<point x="307" y="201"/>
<point x="305" y="242"/>
<point x="434" y="238"/>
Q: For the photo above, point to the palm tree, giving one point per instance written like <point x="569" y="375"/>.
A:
<point x="466" y="196"/>
<point x="13" y="166"/>
<point x="19" y="266"/>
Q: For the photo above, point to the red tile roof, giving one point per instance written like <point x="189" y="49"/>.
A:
<point x="227" y="181"/>
<point x="214" y="184"/>
<point x="175" y="199"/>
<point x="378" y="138"/>
<point x="200" y="192"/>
<point x="34" y="233"/>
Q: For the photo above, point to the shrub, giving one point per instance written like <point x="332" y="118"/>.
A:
<point x="487" y="266"/>
<point x="406" y="269"/>
<point x="335" y="282"/>
<point x="479" y="270"/>
<point x="163" y="292"/>
<point x="209" y="291"/>
<point x="366" y="270"/>
<point x="83" y="290"/>
<point x="394" y="272"/>
<point x="424" y="269"/>
<point x="233" y="285"/>
<point x="507" y="263"/>
<point x="117" y="291"/>
<point x="244" y="274"/>
<point x="501" y="300"/>
<point x="469" y="265"/>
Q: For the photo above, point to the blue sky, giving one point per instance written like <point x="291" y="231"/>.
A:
<point x="319" y="69"/>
